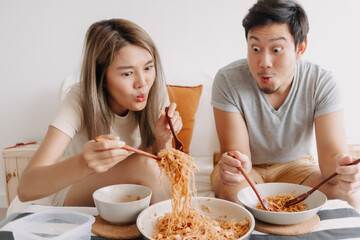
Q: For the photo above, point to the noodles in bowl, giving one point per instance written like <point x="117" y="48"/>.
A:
<point x="278" y="203"/>
<point x="314" y="202"/>
<point x="188" y="217"/>
<point x="211" y="208"/>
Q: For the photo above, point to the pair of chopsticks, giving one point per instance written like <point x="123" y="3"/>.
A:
<point x="179" y="144"/>
<point x="132" y="149"/>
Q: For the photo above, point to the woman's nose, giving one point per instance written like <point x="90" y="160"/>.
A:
<point x="140" y="80"/>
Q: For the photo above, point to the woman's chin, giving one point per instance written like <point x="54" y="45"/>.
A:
<point x="139" y="107"/>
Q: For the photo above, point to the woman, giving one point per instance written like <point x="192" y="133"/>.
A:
<point x="121" y="96"/>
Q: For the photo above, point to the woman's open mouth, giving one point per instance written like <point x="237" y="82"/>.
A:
<point x="141" y="98"/>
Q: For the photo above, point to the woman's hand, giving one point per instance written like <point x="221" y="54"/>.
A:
<point x="103" y="155"/>
<point x="162" y="130"/>
<point x="229" y="173"/>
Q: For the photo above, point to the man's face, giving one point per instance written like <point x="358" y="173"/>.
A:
<point x="272" y="57"/>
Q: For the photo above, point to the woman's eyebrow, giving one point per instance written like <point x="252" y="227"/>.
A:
<point x="130" y="66"/>
<point x="150" y="61"/>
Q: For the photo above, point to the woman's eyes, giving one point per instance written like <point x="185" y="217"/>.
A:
<point x="148" y="68"/>
<point x="127" y="74"/>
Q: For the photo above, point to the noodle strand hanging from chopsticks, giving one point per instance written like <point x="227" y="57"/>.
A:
<point x="185" y="221"/>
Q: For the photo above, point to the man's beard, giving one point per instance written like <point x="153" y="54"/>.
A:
<point x="268" y="90"/>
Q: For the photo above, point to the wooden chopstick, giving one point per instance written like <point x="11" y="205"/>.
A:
<point x="132" y="149"/>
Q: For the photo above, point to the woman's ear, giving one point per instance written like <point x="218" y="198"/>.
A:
<point x="301" y="49"/>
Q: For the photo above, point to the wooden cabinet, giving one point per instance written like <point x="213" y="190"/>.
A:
<point x="15" y="161"/>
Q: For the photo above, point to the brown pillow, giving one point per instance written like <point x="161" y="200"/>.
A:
<point x="187" y="101"/>
<point x="216" y="158"/>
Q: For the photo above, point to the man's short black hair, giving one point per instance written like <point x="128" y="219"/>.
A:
<point x="265" y="12"/>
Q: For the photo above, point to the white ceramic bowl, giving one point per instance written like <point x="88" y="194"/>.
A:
<point x="148" y="218"/>
<point x="248" y="198"/>
<point x="121" y="204"/>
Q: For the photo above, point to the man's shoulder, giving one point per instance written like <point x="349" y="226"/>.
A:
<point x="308" y="66"/>
<point x="236" y="74"/>
<point x="238" y="65"/>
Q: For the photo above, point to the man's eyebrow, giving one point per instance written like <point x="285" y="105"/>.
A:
<point x="271" y="40"/>
<point x="255" y="38"/>
<point x="277" y="39"/>
<point x="129" y="66"/>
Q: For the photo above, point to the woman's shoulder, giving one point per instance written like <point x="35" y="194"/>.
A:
<point x="72" y="98"/>
<point x="68" y="117"/>
<point x="74" y="91"/>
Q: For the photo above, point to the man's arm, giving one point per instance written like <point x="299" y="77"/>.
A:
<point x="332" y="152"/>
<point x="233" y="136"/>
<point x="232" y="132"/>
<point x="330" y="141"/>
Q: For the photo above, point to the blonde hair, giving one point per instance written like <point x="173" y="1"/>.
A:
<point x="103" y="40"/>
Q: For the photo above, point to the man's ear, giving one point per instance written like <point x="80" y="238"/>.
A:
<point x="301" y="49"/>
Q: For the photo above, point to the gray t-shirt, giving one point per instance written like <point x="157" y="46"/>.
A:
<point x="286" y="134"/>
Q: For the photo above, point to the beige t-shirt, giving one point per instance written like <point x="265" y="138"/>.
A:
<point x="68" y="120"/>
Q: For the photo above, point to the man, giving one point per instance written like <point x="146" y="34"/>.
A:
<point x="266" y="107"/>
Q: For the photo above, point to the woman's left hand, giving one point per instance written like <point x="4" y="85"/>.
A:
<point x="162" y="130"/>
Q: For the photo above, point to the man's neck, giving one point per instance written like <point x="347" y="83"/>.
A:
<point x="277" y="98"/>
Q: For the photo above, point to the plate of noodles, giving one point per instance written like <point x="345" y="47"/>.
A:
<point x="210" y="218"/>
<point x="278" y="194"/>
<point x="186" y="216"/>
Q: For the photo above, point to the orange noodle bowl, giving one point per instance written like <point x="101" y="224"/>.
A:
<point x="188" y="217"/>
<point x="278" y="194"/>
<point x="233" y="221"/>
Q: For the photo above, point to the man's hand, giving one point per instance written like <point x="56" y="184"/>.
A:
<point x="229" y="173"/>
<point x="349" y="181"/>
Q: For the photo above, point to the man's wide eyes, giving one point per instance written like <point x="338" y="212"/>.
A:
<point x="256" y="48"/>
<point x="277" y="49"/>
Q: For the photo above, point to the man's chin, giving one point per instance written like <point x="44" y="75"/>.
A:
<point x="268" y="90"/>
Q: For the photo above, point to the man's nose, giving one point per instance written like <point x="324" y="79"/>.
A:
<point x="266" y="60"/>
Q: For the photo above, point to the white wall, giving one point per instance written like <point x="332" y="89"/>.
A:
<point x="41" y="44"/>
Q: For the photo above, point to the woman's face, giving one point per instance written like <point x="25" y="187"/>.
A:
<point x="129" y="79"/>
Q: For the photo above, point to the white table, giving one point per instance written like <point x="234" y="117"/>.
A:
<point x="338" y="220"/>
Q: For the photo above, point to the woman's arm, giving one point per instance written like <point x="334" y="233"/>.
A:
<point x="44" y="175"/>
